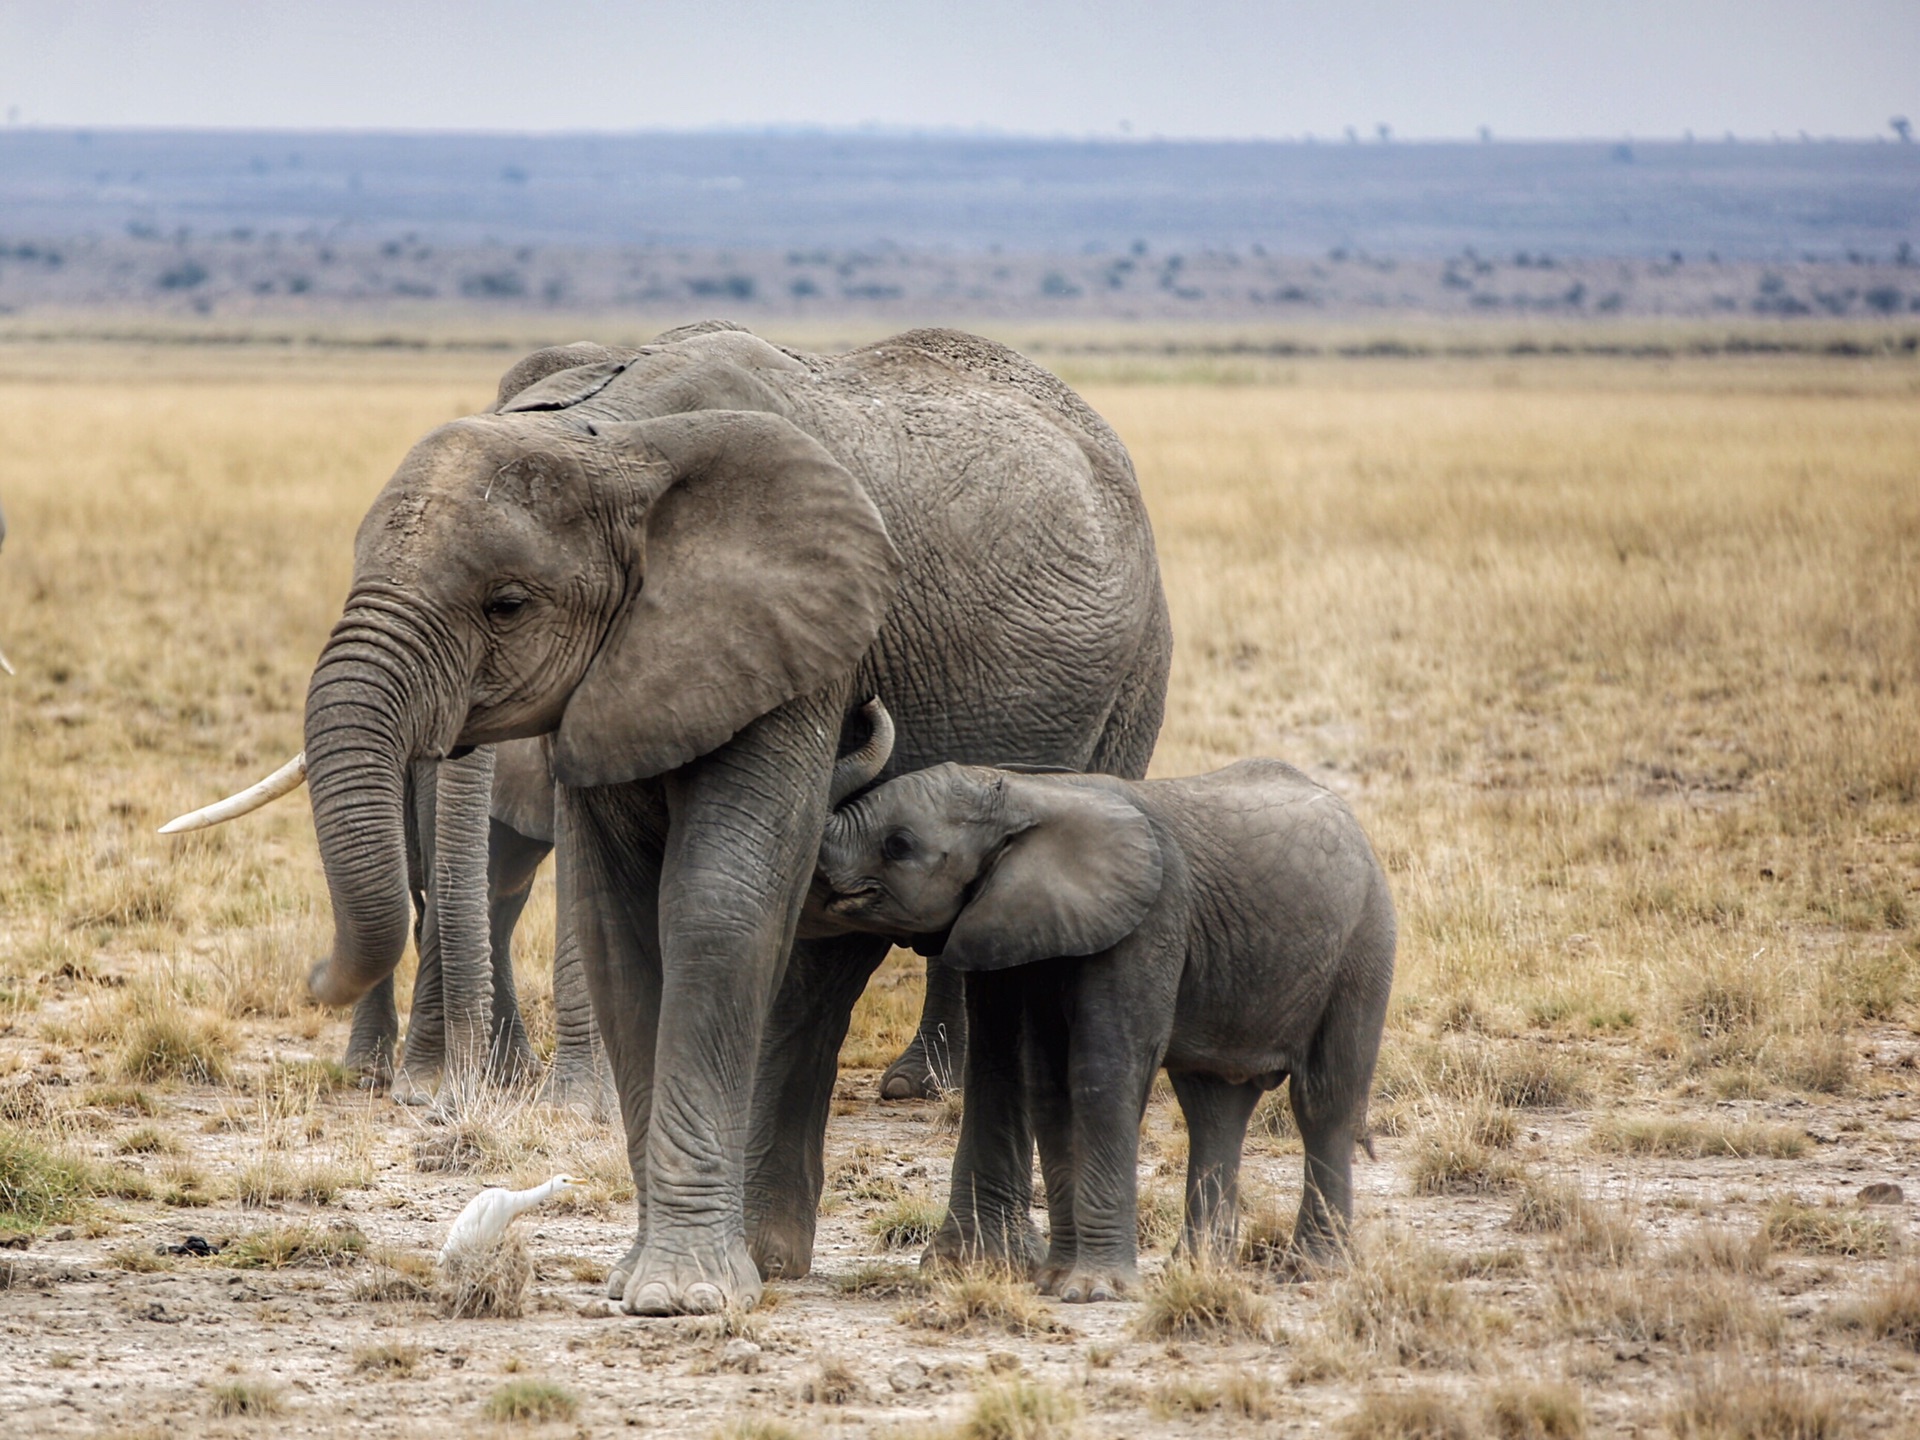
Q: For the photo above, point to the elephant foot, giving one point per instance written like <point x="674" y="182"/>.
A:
<point x="1087" y="1283"/>
<point x="623" y="1268"/>
<point x="370" y="1062"/>
<point x="1053" y="1270"/>
<point x="703" y="1283"/>
<point x="999" y="1242"/>
<point x="781" y="1246"/>
<point x="513" y="1065"/>
<point x="588" y="1093"/>
<point x="416" y="1087"/>
<point x="923" y="1072"/>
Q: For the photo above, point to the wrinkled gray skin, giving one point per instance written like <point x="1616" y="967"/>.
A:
<point x="507" y="832"/>
<point x="1234" y="927"/>
<point x="443" y="797"/>
<point x="689" y="564"/>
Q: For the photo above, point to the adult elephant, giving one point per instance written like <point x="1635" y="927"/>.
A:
<point x="690" y="564"/>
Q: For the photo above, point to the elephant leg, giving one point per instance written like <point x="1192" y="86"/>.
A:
<point x="447" y="1028"/>
<point x="580" y="1076"/>
<point x="370" y="1041"/>
<point x="990" y="1203"/>
<point x="615" y="927"/>
<point x="1217" y="1112"/>
<point x="1050" y="1097"/>
<point x="793" y="1091"/>
<point x="513" y="860"/>
<point x="742" y="843"/>
<point x="1109" y="1072"/>
<point x="930" y="1065"/>
<point x="1329" y="1092"/>
<point x="424" y="1056"/>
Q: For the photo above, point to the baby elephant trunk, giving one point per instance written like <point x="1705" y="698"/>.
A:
<point x="862" y="767"/>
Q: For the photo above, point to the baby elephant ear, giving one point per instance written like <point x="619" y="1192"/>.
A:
<point x="762" y="572"/>
<point x="1078" y="879"/>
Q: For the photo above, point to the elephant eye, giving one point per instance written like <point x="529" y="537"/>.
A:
<point x="503" y="604"/>
<point x="897" y="846"/>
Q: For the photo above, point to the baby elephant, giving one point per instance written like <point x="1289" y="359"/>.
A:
<point x="1234" y="927"/>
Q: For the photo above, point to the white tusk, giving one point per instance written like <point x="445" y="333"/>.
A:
<point x="5" y="664"/>
<point x="290" y="776"/>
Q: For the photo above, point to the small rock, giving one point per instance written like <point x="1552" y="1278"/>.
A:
<point x="1003" y="1362"/>
<point x="18" y="1241"/>
<point x="601" y="1308"/>
<point x="906" y="1377"/>
<point x="741" y="1355"/>
<point x="1882" y="1192"/>
<point x="64" y="1233"/>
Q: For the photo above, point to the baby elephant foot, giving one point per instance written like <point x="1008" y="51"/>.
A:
<point x="706" y="1283"/>
<point x="1087" y="1283"/>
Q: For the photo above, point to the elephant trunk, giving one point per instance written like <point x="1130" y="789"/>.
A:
<point x="854" y="771"/>
<point x="361" y="733"/>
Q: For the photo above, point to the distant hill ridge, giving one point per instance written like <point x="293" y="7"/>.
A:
<point x="1749" y="201"/>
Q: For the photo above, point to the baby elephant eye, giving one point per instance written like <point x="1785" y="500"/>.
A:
<point x="897" y="846"/>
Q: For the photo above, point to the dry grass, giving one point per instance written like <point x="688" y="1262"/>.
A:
<point x="531" y="1402"/>
<point x="983" y="1300"/>
<point x="1020" y="1409"/>
<point x="486" y="1282"/>
<point x="1617" y="661"/>
<point x="1738" y="1403"/>
<point x="1204" y="1302"/>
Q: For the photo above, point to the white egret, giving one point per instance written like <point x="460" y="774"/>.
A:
<point x="483" y="1224"/>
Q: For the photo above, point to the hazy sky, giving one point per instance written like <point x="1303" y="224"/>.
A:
<point x="1546" y="68"/>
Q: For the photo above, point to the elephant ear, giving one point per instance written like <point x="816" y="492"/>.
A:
<point x="762" y="571"/>
<point x="559" y="376"/>
<point x="1079" y="874"/>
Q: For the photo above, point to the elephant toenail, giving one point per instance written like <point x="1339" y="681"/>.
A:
<point x="653" y="1299"/>
<point x="704" y="1299"/>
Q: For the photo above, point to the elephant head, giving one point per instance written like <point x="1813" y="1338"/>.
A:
<point x="639" y="590"/>
<point x="1008" y="868"/>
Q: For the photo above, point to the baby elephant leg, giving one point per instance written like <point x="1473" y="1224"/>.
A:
<point x="1217" y="1112"/>
<point x="1050" y="1099"/>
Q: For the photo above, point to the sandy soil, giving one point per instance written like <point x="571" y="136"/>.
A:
<point x="95" y="1349"/>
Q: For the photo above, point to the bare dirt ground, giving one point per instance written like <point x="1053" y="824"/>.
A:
<point x="1616" y="661"/>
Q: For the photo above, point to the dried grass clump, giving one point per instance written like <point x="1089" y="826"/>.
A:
<point x="985" y="1298"/>
<point x="1889" y="1310"/>
<point x="881" y="1281"/>
<point x="1697" y="1139"/>
<point x="757" y="1427"/>
<point x="1536" y="1410"/>
<point x="40" y="1186"/>
<point x="1699" y="1311"/>
<point x="165" y="1042"/>
<point x="1409" y="1415"/>
<point x="531" y="1402"/>
<point x="275" y="1179"/>
<point x="908" y="1223"/>
<point x="1020" y="1409"/>
<point x="1828" y="1229"/>
<point x="1461" y="1150"/>
<point x="1740" y="1403"/>
<point x="391" y="1358"/>
<point x="1395" y="1301"/>
<point x="1711" y="1248"/>
<point x="395" y="1277"/>
<point x="1582" y="1226"/>
<point x="247" y="1398"/>
<point x="1203" y="1300"/>
<point x="278" y="1247"/>
<point x="486" y="1282"/>
<point x="1242" y="1394"/>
